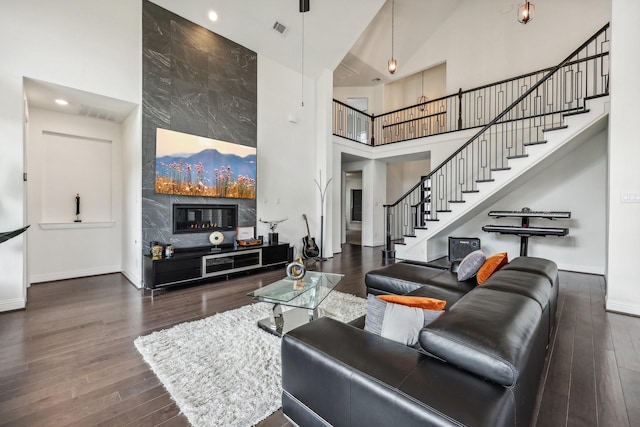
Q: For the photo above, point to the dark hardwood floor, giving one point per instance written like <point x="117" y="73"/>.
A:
<point x="69" y="358"/>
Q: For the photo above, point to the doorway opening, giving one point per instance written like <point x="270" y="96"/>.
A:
<point x="353" y="205"/>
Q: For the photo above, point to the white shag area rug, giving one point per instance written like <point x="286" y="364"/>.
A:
<point x="224" y="370"/>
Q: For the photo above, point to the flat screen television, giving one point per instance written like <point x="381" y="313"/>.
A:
<point x="190" y="165"/>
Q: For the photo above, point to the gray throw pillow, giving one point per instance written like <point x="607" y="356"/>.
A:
<point x="470" y="265"/>
<point x="397" y="322"/>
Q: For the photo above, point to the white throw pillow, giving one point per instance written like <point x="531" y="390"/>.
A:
<point x="470" y="265"/>
<point x="397" y="322"/>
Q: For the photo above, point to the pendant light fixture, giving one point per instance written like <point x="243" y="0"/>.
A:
<point x="526" y="12"/>
<point x="392" y="65"/>
<point x="422" y="99"/>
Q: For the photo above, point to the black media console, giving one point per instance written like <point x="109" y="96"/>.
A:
<point x="196" y="264"/>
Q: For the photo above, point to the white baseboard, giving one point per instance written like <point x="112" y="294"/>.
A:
<point x="582" y="269"/>
<point x="12" y="304"/>
<point x="63" y="275"/>
<point x="134" y="279"/>
<point x="623" y="307"/>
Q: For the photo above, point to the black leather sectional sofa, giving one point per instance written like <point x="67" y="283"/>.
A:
<point x="479" y="364"/>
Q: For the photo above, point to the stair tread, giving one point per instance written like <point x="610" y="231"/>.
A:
<point x="444" y="210"/>
<point x="500" y="169"/>
<point x="555" y="128"/>
<point x="485" y="180"/>
<point x="587" y="98"/>
<point x="457" y="201"/>
<point x="408" y="235"/>
<point x="470" y="191"/>
<point x="431" y="219"/>
<point x="526" y="144"/>
<point x="576" y="112"/>
<point x="519" y="156"/>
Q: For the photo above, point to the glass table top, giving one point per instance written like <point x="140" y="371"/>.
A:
<point x="307" y="292"/>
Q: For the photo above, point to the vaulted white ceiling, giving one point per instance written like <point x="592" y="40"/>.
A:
<point x="355" y="34"/>
<point x="331" y="27"/>
<point x="352" y="38"/>
<point x="415" y="22"/>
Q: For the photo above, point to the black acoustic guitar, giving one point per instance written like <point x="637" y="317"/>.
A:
<point x="309" y="247"/>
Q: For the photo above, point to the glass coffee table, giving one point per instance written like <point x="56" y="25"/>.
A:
<point x="304" y="295"/>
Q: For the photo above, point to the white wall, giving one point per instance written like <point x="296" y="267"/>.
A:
<point x="131" y="201"/>
<point x="401" y="176"/>
<point x="286" y="159"/>
<point x="344" y="93"/>
<point x="92" y="46"/>
<point x="482" y="42"/>
<point x="374" y="178"/>
<point x="404" y="92"/>
<point x="375" y="96"/>
<point x="624" y="151"/>
<point x="575" y="183"/>
<point x="329" y="172"/>
<point x="89" y="165"/>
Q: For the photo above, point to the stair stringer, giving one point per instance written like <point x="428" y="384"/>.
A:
<point x="431" y="243"/>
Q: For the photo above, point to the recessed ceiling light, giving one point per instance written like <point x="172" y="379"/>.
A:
<point x="61" y="101"/>
<point x="213" y="16"/>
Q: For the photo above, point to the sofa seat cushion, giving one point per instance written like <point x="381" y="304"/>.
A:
<point x="449" y="280"/>
<point x="524" y="283"/>
<point x="445" y="294"/>
<point x="488" y="332"/>
<point x="399" y="278"/>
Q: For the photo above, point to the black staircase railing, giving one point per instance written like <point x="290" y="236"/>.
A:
<point x="540" y="107"/>
<point x="352" y="124"/>
<point x="465" y="109"/>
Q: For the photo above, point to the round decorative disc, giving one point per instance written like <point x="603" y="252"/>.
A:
<point x="216" y="238"/>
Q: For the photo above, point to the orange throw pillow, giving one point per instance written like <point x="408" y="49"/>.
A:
<point x="419" y="302"/>
<point x="491" y="265"/>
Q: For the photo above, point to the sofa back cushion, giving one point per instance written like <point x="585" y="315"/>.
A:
<point x="532" y="285"/>
<point x="488" y="332"/>
<point x="541" y="266"/>
<point x="399" y="278"/>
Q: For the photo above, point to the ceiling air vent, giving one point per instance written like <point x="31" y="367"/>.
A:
<point x="97" y="113"/>
<point x="280" y="28"/>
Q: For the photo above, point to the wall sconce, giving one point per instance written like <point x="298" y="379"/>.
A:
<point x="526" y="12"/>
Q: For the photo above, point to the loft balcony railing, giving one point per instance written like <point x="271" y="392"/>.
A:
<point x="541" y="104"/>
<point x="466" y="109"/>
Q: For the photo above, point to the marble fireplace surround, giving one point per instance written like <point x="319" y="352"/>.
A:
<point x="197" y="82"/>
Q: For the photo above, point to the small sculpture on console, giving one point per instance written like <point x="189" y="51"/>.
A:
<point x="273" y="224"/>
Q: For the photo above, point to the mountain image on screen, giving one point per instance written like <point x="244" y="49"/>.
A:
<point x="207" y="173"/>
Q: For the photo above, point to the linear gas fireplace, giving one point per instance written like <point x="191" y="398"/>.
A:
<point x="204" y="218"/>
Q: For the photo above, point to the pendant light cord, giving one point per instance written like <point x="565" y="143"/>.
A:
<point x="393" y="14"/>
<point x="302" y="77"/>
